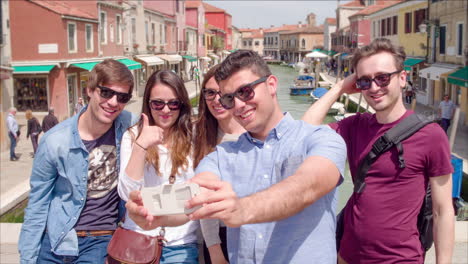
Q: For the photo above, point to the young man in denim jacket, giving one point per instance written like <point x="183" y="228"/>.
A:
<point x="73" y="203"/>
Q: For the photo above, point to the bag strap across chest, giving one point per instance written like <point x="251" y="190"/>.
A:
<point x="393" y="137"/>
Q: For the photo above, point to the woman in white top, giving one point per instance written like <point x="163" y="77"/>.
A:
<point x="157" y="150"/>
<point x="213" y="126"/>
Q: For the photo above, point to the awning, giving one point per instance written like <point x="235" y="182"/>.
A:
<point x="131" y="64"/>
<point x="172" y="59"/>
<point x="337" y="54"/>
<point x="233" y="50"/>
<point x="27" y="69"/>
<point x="459" y="77"/>
<point x="150" y="60"/>
<point x="433" y="72"/>
<point x="85" y="65"/>
<point x="214" y="56"/>
<point x="411" y="62"/>
<point x="189" y="58"/>
<point x="205" y="58"/>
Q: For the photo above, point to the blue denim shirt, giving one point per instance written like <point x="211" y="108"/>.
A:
<point x="251" y="165"/>
<point x="59" y="188"/>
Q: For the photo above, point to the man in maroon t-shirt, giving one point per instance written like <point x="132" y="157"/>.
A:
<point x="380" y="224"/>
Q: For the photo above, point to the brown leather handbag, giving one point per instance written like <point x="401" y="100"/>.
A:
<point x="130" y="247"/>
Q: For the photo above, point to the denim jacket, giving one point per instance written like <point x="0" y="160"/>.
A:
<point x="59" y="188"/>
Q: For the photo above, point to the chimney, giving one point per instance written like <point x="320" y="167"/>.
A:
<point x="272" y="26"/>
<point x="299" y="24"/>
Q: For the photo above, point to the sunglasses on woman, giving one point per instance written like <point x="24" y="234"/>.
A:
<point x="382" y="80"/>
<point x="244" y="93"/>
<point x="108" y="93"/>
<point x="158" y="104"/>
<point x="209" y="94"/>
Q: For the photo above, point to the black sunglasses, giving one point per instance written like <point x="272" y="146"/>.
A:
<point x="158" y="104"/>
<point x="209" y="94"/>
<point x="382" y="80"/>
<point x="244" y="94"/>
<point x="108" y="93"/>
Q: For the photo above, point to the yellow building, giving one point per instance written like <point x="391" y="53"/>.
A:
<point x="410" y="15"/>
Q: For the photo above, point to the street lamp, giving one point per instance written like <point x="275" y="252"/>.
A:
<point x="426" y="27"/>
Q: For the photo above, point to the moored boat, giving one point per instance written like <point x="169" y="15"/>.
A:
<point x="303" y="85"/>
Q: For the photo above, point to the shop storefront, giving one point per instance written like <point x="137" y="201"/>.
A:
<point x="411" y="66"/>
<point x="187" y="64"/>
<point x="150" y="64"/>
<point x="459" y="81"/>
<point x="431" y="86"/>
<point x="31" y="88"/>
<point x="173" y="62"/>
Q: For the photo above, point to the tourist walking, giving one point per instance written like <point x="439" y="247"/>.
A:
<point x="13" y="132"/>
<point x="157" y="151"/>
<point x="73" y="206"/>
<point x="79" y="105"/>
<point x="409" y="92"/>
<point x="34" y="129"/>
<point x="213" y="126"/>
<point x="49" y="120"/>
<point x="380" y="223"/>
<point x="275" y="188"/>
<point x="446" y="111"/>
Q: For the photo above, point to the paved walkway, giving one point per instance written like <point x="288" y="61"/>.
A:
<point x="14" y="187"/>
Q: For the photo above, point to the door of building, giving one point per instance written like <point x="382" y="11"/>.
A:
<point x="71" y="83"/>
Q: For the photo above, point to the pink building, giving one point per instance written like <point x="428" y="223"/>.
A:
<point x="219" y="18"/>
<point x="195" y="17"/>
<point x="54" y="46"/>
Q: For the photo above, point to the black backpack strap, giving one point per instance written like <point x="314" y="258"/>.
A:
<point x="393" y="137"/>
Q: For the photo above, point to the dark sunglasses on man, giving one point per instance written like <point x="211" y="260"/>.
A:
<point x="382" y="80"/>
<point x="158" y="104"/>
<point x="244" y="93"/>
<point x="108" y="93"/>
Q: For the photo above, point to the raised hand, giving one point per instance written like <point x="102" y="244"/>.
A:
<point x="150" y="135"/>
<point x="218" y="200"/>
<point x="348" y="84"/>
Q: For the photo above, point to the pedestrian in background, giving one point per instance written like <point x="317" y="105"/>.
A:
<point x="34" y="129"/>
<point x="446" y="111"/>
<point x="49" y="120"/>
<point x="79" y="105"/>
<point x="13" y="132"/>
<point x="409" y="92"/>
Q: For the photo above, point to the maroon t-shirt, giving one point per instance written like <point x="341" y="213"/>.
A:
<point x="380" y="222"/>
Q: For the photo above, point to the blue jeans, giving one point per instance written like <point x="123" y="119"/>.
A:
<point x="445" y="123"/>
<point x="93" y="250"/>
<point x="12" y="145"/>
<point x="187" y="253"/>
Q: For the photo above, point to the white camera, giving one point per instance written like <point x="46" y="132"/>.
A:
<point x="169" y="199"/>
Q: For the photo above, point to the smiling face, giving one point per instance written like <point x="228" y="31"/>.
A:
<point x="261" y="113"/>
<point x="386" y="99"/>
<point x="214" y="106"/>
<point x="105" y="111"/>
<point x="164" y="118"/>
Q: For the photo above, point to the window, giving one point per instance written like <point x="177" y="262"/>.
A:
<point x="395" y="25"/>
<point x="147" y="32"/>
<point x="419" y="17"/>
<point x="133" y="30"/>
<point x="89" y="37"/>
<point x="72" y="46"/>
<point x="389" y="26"/>
<point x="103" y="27"/>
<point x="111" y="30"/>
<point x="161" y="37"/>
<point x="383" y="27"/>
<point x="118" y="29"/>
<point x="303" y="43"/>
<point x="379" y="34"/>
<point x="459" y="39"/>
<point x="257" y="43"/>
<point x="153" y="33"/>
<point x="408" y="22"/>
<point x="442" y="33"/>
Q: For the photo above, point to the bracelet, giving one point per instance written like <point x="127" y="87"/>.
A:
<point x="145" y="149"/>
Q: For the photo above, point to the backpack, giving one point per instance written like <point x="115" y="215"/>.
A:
<point x="393" y="138"/>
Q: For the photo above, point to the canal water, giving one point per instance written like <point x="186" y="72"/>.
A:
<point x="296" y="106"/>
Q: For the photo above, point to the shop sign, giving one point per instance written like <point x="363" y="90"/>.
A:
<point x="48" y="48"/>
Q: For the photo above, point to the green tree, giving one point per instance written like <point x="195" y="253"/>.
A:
<point x="218" y="43"/>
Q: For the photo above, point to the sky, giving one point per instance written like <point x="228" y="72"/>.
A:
<point x="256" y="14"/>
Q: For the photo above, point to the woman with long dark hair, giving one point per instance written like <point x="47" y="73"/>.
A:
<point x="213" y="126"/>
<point x="156" y="151"/>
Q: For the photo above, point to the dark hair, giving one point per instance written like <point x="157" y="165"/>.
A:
<point x="110" y="71"/>
<point x="240" y="60"/>
<point x="206" y="126"/>
<point x="181" y="131"/>
<point x="380" y="45"/>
